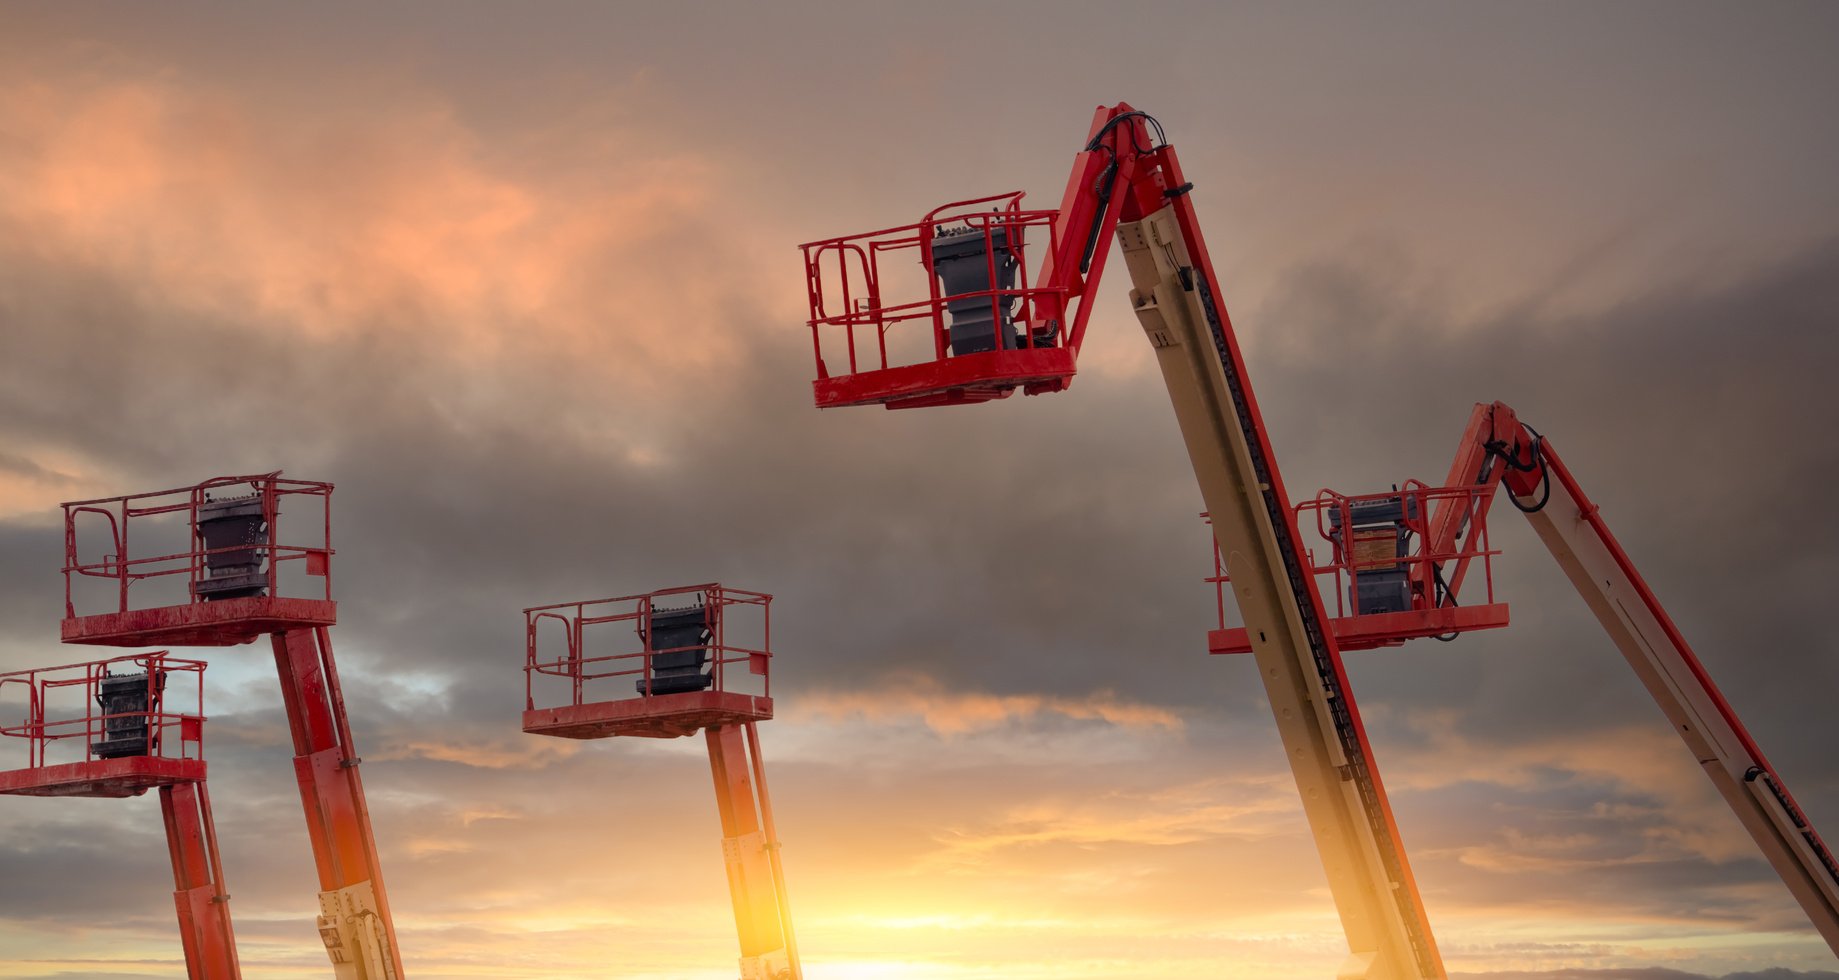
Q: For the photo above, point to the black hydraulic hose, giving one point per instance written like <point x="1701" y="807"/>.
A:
<point x="1498" y="447"/>
<point x="1107" y="178"/>
<point x="1443" y="592"/>
<point x="1107" y="182"/>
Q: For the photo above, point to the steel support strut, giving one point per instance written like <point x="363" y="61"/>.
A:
<point x="750" y="849"/>
<point x="198" y="883"/>
<point x="354" y="920"/>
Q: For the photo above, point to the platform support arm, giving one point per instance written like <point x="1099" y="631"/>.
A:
<point x="354" y="921"/>
<point x="199" y="891"/>
<point x="756" y="881"/>
<point x="1477" y="467"/>
<point x="1095" y="199"/>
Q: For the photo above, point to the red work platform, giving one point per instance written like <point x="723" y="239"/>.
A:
<point x="661" y="716"/>
<point x="658" y="665"/>
<point x="226" y="622"/>
<point x="1396" y="562"/>
<point x="668" y="664"/>
<point x="965" y="379"/>
<point x="1376" y="630"/>
<point x="130" y="724"/>
<point x="222" y="541"/>
<point x="124" y="725"/>
<point x="973" y="331"/>
<point x="102" y="778"/>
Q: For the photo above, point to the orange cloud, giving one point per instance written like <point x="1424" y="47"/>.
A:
<point x="1184" y="813"/>
<point x="348" y="219"/>
<point x="488" y="753"/>
<point x="32" y="481"/>
<point x="958" y="712"/>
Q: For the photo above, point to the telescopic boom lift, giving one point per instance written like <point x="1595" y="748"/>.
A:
<point x="985" y="330"/>
<point x="1498" y="449"/>
<point x="1006" y="333"/>
<point x="237" y="580"/>
<point x="137" y="724"/>
<point x="669" y="664"/>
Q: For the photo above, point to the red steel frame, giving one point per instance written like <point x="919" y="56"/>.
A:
<point x="196" y="622"/>
<point x="597" y="705"/>
<point x="1435" y="610"/>
<point x="355" y="921"/>
<point x="174" y="764"/>
<point x="177" y="737"/>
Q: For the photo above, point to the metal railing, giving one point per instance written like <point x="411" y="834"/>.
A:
<point x="170" y="718"/>
<point x="848" y="287"/>
<point x="123" y="515"/>
<point x="733" y="618"/>
<point x="1436" y="575"/>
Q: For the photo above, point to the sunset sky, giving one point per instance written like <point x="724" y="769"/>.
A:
<point x="522" y="281"/>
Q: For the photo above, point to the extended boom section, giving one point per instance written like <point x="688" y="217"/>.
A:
<point x="1497" y="448"/>
<point x="354" y="915"/>
<point x="750" y="853"/>
<point x="1573" y="529"/>
<point x="1174" y="296"/>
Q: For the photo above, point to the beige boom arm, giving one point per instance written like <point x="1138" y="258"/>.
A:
<point x="1388" y="934"/>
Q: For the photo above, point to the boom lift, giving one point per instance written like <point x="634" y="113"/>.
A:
<point x="683" y="651"/>
<point x="993" y="331"/>
<point x="213" y="576"/>
<point x="985" y="330"/>
<point x="139" y="725"/>
<point x="1496" y="449"/>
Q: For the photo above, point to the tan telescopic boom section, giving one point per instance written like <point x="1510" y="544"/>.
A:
<point x="1387" y="931"/>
